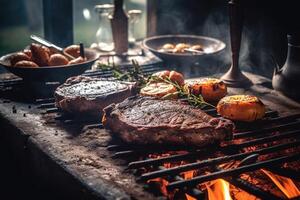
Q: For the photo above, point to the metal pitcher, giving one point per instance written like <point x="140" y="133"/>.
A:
<point x="287" y="79"/>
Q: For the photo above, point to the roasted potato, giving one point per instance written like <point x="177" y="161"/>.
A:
<point x="211" y="89"/>
<point x="40" y="54"/>
<point x="28" y="53"/>
<point x="197" y="47"/>
<point x="18" y="57"/>
<point x="76" y="61"/>
<point x="168" y="46"/>
<point x="25" y="63"/>
<point x="58" y="59"/>
<point x="73" y="50"/>
<point x="179" y="48"/>
<point x="159" y="90"/>
<point x="241" y="108"/>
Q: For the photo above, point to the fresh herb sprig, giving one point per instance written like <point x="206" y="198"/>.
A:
<point x="183" y="94"/>
<point x="135" y="74"/>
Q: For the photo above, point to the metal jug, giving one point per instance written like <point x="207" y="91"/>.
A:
<point x="287" y="79"/>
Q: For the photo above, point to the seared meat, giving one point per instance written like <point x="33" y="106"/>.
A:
<point x="146" y="120"/>
<point x="85" y="95"/>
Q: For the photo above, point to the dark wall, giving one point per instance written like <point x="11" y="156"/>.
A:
<point x="266" y="24"/>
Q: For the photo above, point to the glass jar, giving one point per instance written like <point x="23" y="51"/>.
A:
<point x="104" y="33"/>
<point x="134" y="17"/>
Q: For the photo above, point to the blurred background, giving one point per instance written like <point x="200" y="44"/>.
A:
<point x="266" y="25"/>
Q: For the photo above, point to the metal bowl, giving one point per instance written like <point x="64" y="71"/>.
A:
<point x="50" y="73"/>
<point x="210" y="46"/>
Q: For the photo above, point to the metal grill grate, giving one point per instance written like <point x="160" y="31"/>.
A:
<point x="286" y="128"/>
<point x="273" y="128"/>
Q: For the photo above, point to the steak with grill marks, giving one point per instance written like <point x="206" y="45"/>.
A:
<point x="88" y="96"/>
<point x="146" y="120"/>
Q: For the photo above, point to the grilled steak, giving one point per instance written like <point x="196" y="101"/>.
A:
<point x="85" y="95"/>
<point x="146" y="120"/>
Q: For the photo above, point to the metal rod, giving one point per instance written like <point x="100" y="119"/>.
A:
<point x="251" y="189"/>
<point x="46" y="100"/>
<point x="52" y="110"/>
<point x="269" y="139"/>
<point x="114" y="147"/>
<point x="128" y="153"/>
<point x="47" y="105"/>
<point x="10" y="82"/>
<point x="232" y="172"/>
<point x="284" y="119"/>
<point x="246" y="186"/>
<point x="214" y="161"/>
<point x="92" y="126"/>
<point x="289" y="173"/>
<point x="265" y="130"/>
<point x="186" y="156"/>
<point x="109" y="72"/>
<point x="158" y="161"/>
<point x="194" y="192"/>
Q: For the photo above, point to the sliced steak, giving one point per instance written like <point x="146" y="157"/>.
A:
<point x="146" y="120"/>
<point x="85" y="95"/>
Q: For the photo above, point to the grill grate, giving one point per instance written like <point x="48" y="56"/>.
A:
<point x="286" y="127"/>
<point x="271" y="129"/>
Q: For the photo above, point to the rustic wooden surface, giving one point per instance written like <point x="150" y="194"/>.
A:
<point x="76" y="161"/>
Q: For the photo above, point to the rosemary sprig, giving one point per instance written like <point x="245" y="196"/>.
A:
<point x="133" y="74"/>
<point x="184" y="95"/>
<point x="136" y="75"/>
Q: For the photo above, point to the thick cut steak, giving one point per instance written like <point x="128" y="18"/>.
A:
<point x="146" y="120"/>
<point x="85" y="95"/>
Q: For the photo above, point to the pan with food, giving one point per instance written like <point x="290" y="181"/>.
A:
<point x="182" y="48"/>
<point x="41" y="64"/>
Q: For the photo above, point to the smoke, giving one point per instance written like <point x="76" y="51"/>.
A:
<point x="217" y="25"/>
<point x="256" y="44"/>
<point x="259" y="39"/>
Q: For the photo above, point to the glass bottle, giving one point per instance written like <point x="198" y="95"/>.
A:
<point x="104" y="33"/>
<point x="119" y="24"/>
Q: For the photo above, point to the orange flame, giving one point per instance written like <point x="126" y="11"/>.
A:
<point x="286" y="185"/>
<point x="218" y="190"/>
<point x="188" y="174"/>
<point x="188" y="197"/>
<point x="163" y="185"/>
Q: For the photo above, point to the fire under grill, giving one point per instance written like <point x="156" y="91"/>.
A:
<point x="262" y="160"/>
<point x="180" y="171"/>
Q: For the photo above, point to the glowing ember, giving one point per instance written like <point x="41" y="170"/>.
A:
<point x="188" y="175"/>
<point x="218" y="190"/>
<point x="163" y="185"/>
<point x="286" y="185"/>
<point x="188" y="197"/>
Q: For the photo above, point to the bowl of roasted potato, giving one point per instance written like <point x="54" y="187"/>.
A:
<point x="40" y="64"/>
<point x="182" y="48"/>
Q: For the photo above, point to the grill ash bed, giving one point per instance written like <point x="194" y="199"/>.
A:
<point x="80" y="159"/>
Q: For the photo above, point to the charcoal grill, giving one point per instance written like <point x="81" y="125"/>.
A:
<point x="281" y="133"/>
<point x="137" y="157"/>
